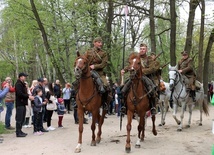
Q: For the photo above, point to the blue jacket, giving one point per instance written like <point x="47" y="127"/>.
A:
<point x="2" y="95"/>
<point x="37" y="104"/>
<point x="60" y="109"/>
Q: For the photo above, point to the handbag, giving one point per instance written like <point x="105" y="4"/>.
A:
<point x="51" y="106"/>
<point x="212" y="101"/>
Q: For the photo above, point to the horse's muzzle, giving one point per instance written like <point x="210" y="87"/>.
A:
<point x="77" y="72"/>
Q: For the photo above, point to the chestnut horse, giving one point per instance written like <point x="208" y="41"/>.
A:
<point x="137" y="101"/>
<point x="88" y="100"/>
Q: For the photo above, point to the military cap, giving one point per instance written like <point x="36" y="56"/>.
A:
<point x="98" y="39"/>
<point x="184" y="53"/>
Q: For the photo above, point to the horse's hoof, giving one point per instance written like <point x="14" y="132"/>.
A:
<point x="142" y="139"/>
<point x="98" y="140"/>
<point x="179" y="130"/>
<point x="128" y="149"/>
<point x="137" y="146"/>
<point x="179" y="123"/>
<point x="160" y="125"/>
<point x="77" y="150"/>
<point x="93" y="143"/>
<point x="188" y="126"/>
<point x="155" y="133"/>
<point x="200" y="124"/>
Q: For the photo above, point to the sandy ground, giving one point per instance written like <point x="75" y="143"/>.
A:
<point x="196" y="140"/>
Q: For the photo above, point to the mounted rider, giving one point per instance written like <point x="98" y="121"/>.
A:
<point x="185" y="68"/>
<point x="150" y="79"/>
<point x="98" y="61"/>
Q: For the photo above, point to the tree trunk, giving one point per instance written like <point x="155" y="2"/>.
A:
<point x="152" y="26"/>
<point x="192" y="7"/>
<point x="201" y="44"/>
<point x="172" y="33"/>
<point x="207" y="61"/>
<point x="45" y="40"/>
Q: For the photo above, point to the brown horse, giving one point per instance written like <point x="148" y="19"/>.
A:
<point x="137" y="101"/>
<point x="87" y="99"/>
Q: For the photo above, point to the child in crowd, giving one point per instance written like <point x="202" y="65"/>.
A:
<point x="60" y="111"/>
<point x="37" y="111"/>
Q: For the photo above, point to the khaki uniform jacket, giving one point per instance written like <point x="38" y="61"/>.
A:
<point x="99" y="59"/>
<point x="186" y="66"/>
<point x="151" y="68"/>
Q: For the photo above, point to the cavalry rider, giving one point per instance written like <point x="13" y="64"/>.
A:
<point x="185" y="68"/>
<point x="98" y="61"/>
<point x="150" y="79"/>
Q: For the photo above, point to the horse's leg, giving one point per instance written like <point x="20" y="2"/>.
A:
<point x="80" y="117"/>
<point x="95" y="117"/>
<point x="153" y="125"/>
<point x="201" y="102"/>
<point x="161" y="105"/>
<point x="183" y="106"/>
<point x="175" y="106"/>
<point x="128" y="128"/>
<point x="101" y="120"/>
<point x="141" y="128"/>
<point x="190" y="106"/>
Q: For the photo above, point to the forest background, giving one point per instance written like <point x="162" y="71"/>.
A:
<point x="41" y="37"/>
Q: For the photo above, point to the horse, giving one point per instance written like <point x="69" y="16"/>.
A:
<point x="163" y="103"/>
<point x="88" y="100"/>
<point x="137" y="101"/>
<point x="179" y="94"/>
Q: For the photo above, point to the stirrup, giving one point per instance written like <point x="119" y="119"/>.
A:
<point x="101" y="90"/>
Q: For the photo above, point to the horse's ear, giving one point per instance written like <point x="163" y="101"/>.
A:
<point x="176" y="67"/>
<point x="170" y="66"/>
<point x="78" y="53"/>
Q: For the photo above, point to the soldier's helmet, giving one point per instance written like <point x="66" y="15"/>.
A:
<point x="184" y="53"/>
<point x="98" y="39"/>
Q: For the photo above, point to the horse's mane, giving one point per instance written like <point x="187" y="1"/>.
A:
<point x="134" y="55"/>
<point x="80" y="57"/>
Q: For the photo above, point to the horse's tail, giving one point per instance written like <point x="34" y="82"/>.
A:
<point x="205" y="107"/>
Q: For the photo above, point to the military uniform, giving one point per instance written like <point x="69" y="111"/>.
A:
<point x="98" y="58"/>
<point x="151" y="69"/>
<point x="186" y="66"/>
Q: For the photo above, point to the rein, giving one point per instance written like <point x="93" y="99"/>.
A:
<point x="176" y="83"/>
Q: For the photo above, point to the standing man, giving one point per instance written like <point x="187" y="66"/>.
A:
<point x="9" y="102"/>
<point x="21" y="102"/>
<point x="185" y="68"/>
<point x="57" y="89"/>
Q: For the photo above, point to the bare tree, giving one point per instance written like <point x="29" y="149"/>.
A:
<point x="172" y="33"/>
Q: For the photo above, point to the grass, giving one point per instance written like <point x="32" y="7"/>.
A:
<point x="3" y="130"/>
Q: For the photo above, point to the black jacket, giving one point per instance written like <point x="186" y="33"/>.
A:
<point x="21" y="93"/>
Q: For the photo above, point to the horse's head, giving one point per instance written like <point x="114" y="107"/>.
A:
<point x="135" y="66"/>
<point x="81" y="67"/>
<point x="173" y="76"/>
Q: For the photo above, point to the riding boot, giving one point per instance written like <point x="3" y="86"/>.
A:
<point x="193" y="95"/>
<point x="104" y="100"/>
<point x="149" y="85"/>
<point x="75" y="84"/>
<point x="152" y="105"/>
<point x="98" y="81"/>
<point x="126" y="87"/>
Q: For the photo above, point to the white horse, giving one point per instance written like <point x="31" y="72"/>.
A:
<point x="163" y="103"/>
<point x="181" y="95"/>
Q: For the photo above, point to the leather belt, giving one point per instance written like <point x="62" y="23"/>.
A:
<point x="9" y="100"/>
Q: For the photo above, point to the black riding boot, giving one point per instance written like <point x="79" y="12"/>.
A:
<point x="98" y="81"/>
<point x="193" y="95"/>
<point x="126" y="87"/>
<point x="152" y="105"/>
<point x="105" y="100"/>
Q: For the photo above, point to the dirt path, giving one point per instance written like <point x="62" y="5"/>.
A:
<point x="197" y="140"/>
